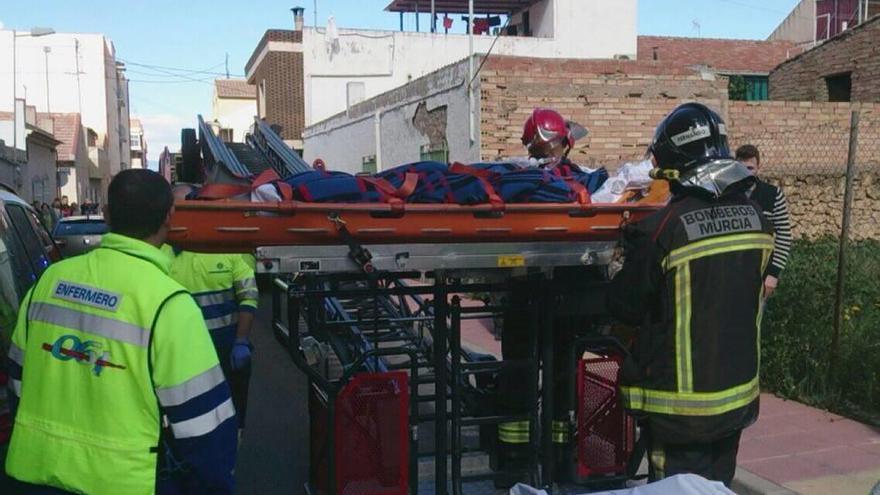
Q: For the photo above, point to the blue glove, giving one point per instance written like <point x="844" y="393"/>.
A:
<point x="241" y="353"/>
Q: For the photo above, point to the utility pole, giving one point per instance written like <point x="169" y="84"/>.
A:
<point x="227" y="65"/>
<point x="46" y="51"/>
<point x="79" y="96"/>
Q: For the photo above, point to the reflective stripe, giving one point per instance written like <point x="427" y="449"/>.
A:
<point x="204" y="424"/>
<point x="658" y="461"/>
<point x="693" y="403"/>
<point x="221" y="321"/>
<point x="246" y="283"/>
<point x="199" y="384"/>
<point x="514" y="432"/>
<point x="684" y="369"/>
<point x="16" y="386"/>
<point x="717" y="245"/>
<point x="16" y="354"/>
<point x="89" y="323"/>
<point x="249" y="294"/>
<point x="213" y="298"/>
<point x="560" y="432"/>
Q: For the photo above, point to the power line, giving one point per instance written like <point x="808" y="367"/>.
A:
<point x="180" y="70"/>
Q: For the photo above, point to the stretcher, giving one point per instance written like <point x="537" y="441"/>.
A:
<point x="238" y="226"/>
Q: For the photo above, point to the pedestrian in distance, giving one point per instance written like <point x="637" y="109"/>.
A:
<point x="772" y="201"/>
<point x="115" y="384"/>
<point x="692" y="282"/>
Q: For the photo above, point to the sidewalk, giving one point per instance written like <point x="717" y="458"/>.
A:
<point x="804" y="450"/>
<point x="792" y="449"/>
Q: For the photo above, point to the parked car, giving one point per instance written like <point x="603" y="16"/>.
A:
<point x="79" y="234"/>
<point x="26" y="250"/>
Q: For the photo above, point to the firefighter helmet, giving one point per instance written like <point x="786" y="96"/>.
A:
<point x="690" y="136"/>
<point x="546" y="134"/>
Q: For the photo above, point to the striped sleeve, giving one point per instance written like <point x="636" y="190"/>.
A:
<point x="781" y="221"/>
<point x="246" y="292"/>
<point x="193" y="394"/>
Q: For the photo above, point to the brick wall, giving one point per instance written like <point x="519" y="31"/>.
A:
<point x="803" y="77"/>
<point x="620" y="102"/>
<point x="283" y="73"/>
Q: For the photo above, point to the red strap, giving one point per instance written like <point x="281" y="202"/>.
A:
<point x="583" y="195"/>
<point x="267" y="176"/>
<point x="222" y="191"/>
<point x="461" y="168"/>
<point x="494" y="199"/>
<point x="409" y="185"/>
<point x="285" y="189"/>
<point x="402" y="192"/>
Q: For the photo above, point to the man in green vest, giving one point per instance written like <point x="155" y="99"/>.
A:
<point x="108" y="349"/>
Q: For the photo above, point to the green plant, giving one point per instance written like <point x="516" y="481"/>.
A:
<point x="798" y="323"/>
<point x="737" y="89"/>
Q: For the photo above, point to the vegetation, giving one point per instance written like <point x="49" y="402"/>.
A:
<point x="798" y="326"/>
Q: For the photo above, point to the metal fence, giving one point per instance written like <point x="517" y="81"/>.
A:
<point x="822" y="329"/>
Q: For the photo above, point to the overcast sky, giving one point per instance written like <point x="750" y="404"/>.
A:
<point x="158" y="37"/>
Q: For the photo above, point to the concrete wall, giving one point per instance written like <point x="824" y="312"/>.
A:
<point x="799" y="26"/>
<point x="236" y="114"/>
<point x="95" y="92"/>
<point x="424" y="112"/>
<point x="383" y="60"/>
<point x="39" y="181"/>
<point x="75" y="183"/>
<point x="803" y="77"/>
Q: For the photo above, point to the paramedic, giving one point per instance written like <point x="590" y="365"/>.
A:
<point x="225" y="288"/>
<point x="108" y="348"/>
<point x="549" y="138"/>
<point x="772" y="201"/>
<point x="692" y="281"/>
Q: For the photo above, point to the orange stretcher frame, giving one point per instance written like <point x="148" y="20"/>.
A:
<point x="238" y="226"/>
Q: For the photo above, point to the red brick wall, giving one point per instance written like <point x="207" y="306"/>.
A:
<point x="803" y="78"/>
<point x="620" y="102"/>
<point x="283" y="73"/>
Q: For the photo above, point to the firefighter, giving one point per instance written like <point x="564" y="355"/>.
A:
<point x="108" y="347"/>
<point x="692" y="283"/>
<point x="549" y="138"/>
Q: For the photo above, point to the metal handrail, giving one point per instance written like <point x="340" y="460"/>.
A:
<point x="220" y="154"/>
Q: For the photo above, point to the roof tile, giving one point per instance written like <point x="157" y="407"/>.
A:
<point x="724" y="55"/>
<point x="234" y="88"/>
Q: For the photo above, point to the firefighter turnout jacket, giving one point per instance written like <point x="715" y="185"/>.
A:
<point x="106" y="344"/>
<point x="692" y="281"/>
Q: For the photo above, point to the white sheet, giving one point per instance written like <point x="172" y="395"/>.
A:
<point x="682" y="484"/>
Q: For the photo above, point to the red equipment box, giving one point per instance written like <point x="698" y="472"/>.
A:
<point x="371" y="444"/>
<point x="605" y="433"/>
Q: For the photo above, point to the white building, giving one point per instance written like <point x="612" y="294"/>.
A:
<point x="71" y="73"/>
<point x="138" y="145"/>
<point x="308" y="75"/>
<point x="234" y="107"/>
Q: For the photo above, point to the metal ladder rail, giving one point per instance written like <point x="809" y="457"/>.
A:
<point x="281" y="157"/>
<point x="218" y="153"/>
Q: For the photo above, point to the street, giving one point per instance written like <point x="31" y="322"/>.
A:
<point x="273" y="456"/>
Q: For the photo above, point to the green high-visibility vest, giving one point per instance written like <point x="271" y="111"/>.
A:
<point x="102" y="338"/>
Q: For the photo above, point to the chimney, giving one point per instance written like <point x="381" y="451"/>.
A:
<point x="298" y="18"/>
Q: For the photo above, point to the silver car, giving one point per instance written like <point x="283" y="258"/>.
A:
<point x="79" y="234"/>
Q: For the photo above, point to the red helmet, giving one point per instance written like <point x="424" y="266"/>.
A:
<point x="547" y="134"/>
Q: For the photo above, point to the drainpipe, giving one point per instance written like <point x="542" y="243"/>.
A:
<point x="470" y="87"/>
<point x="377" y="120"/>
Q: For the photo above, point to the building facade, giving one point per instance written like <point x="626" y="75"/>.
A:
<point x="814" y="21"/>
<point x="234" y="107"/>
<point x="307" y="75"/>
<point x="72" y="73"/>
<point x="138" y="144"/>
<point x="844" y="68"/>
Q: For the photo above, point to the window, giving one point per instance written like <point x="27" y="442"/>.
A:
<point x="748" y="88"/>
<point x="436" y="153"/>
<point x="33" y="245"/>
<point x="226" y="135"/>
<point x="83" y="227"/>
<point x="261" y="99"/>
<point x="839" y="87"/>
<point x="135" y="141"/>
<point x="355" y="93"/>
<point x="369" y="164"/>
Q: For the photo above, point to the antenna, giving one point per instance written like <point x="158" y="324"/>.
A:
<point x="227" y="65"/>
<point x="696" y="24"/>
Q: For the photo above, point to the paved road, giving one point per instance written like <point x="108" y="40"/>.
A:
<point x="273" y="458"/>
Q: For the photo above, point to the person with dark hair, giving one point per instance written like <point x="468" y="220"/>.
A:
<point x="772" y="201"/>
<point x="692" y="281"/>
<point x="116" y="387"/>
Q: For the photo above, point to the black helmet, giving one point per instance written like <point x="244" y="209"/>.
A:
<point x="691" y="135"/>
